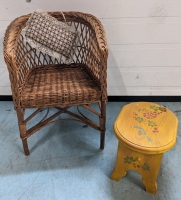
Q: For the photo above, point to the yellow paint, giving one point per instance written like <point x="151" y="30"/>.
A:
<point x="145" y="131"/>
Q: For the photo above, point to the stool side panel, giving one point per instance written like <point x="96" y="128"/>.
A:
<point x="147" y="165"/>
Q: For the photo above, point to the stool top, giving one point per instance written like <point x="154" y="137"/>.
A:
<point x="146" y="127"/>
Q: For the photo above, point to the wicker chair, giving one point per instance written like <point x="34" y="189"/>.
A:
<point x="40" y="81"/>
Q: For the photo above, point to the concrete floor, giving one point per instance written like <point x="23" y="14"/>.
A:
<point x="66" y="163"/>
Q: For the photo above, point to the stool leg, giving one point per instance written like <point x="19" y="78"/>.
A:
<point x="149" y="179"/>
<point x="119" y="170"/>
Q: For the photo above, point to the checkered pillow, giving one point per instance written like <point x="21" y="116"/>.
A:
<point x="50" y="36"/>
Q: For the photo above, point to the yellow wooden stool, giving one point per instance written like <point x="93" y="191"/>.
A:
<point x="145" y="131"/>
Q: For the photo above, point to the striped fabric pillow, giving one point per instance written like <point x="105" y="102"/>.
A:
<point x="51" y="36"/>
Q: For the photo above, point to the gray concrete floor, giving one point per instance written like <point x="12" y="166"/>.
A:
<point x="66" y="163"/>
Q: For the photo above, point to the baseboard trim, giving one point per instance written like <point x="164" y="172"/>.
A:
<point x="6" y="98"/>
<point x="144" y="98"/>
<point x="124" y="98"/>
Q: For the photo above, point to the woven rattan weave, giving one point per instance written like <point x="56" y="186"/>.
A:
<point x="40" y="81"/>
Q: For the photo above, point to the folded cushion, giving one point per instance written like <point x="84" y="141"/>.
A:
<point x="50" y="36"/>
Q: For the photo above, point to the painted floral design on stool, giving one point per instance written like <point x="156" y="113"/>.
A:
<point x="136" y="163"/>
<point x="147" y="116"/>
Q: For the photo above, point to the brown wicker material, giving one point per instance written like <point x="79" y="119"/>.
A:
<point x="40" y="81"/>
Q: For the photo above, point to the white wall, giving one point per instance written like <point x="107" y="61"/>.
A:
<point x="144" y="38"/>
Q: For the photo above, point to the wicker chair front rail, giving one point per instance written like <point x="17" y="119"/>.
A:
<point x="47" y="121"/>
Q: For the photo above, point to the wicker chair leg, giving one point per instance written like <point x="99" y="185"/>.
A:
<point x="25" y="147"/>
<point x="102" y="124"/>
<point x="102" y="139"/>
<point x="22" y="129"/>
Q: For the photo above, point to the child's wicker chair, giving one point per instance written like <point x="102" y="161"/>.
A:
<point x="40" y="81"/>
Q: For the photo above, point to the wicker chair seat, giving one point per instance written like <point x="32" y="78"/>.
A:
<point x="50" y="85"/>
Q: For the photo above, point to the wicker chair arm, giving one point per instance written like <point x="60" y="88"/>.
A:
<point x="100" y="35"/>
<point x="102" y="48"/>
<point x="9" y="46"/>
